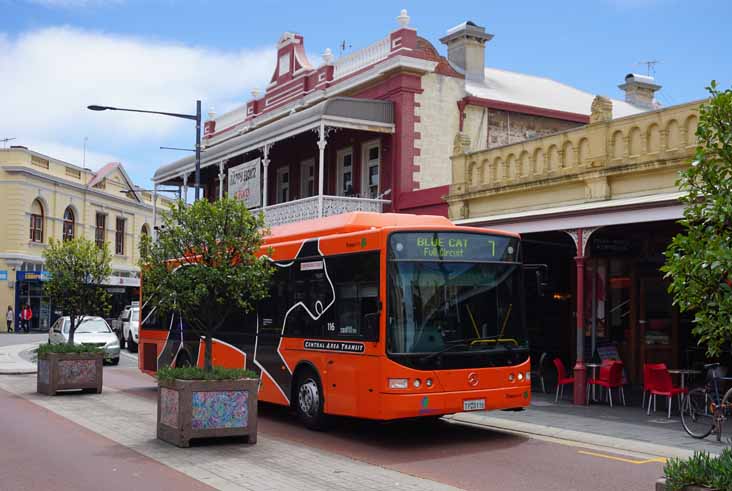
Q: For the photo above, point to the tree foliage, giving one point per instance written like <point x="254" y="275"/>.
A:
<point x="203" y="265"/>
<point x="78" y="269"/>
<point x="699" y="260"/>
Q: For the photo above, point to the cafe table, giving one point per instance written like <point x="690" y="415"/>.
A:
<point x="684" y="372"/>
<point x="594" y="367"/>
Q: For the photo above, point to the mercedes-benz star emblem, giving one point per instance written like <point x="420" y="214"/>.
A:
<point x="473" y="379"/>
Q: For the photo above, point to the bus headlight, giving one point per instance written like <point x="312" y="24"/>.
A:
<point x="398" y="383"/>
<point x="428" y="382"/>
<point x="520" y="376"/>
<point x="528" y="376"/>
<point x="416" y="383"/>
<point x="511" y="377"/>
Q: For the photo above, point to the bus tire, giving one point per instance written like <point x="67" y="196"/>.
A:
<point x="183" y="360"/>
<point x="131" y="345"/>
<point x="308" y="400"/>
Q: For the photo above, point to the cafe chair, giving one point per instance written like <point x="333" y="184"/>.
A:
<point x="647" y="379"/>
<point x="562" y="379"/>
<point x="610" y="377"/>
<point x="662" y="385"/>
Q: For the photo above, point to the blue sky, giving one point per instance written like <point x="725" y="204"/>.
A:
<point x="57" y="56"/>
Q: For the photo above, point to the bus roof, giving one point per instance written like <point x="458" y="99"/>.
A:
<point x="355" y="222"/>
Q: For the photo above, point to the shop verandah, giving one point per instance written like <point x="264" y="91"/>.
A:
<point x="335" y="157"/>
<point x="613" y="298"/>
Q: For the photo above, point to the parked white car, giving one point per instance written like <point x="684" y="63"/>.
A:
<point x="92" y="330"/>
<point x="131" y="329"/>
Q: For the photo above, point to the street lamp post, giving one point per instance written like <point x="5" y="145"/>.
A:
<point x="195" y="117"/>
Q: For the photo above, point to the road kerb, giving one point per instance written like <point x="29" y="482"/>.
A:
<point x="11" y="363"/>
<point x="532" y="430"/>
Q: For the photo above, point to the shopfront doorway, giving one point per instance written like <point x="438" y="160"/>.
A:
<point x="29" y="291"/>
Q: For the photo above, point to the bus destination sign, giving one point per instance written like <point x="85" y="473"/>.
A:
<point x="438" y="246"/>
<point x="310" y="344"/>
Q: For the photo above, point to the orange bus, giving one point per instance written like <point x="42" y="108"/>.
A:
<point x="374" y="315"/>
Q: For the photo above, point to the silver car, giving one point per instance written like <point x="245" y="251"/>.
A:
<point x="92" y="330"/>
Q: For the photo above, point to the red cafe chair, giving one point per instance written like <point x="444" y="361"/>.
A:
<point x="562" y="379"/>
<point x="663" y="386"/>
<point x="647" y="382"/>
<point x="610" y="377"/>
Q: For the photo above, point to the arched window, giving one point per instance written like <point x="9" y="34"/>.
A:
<point x="36" y="222"/>
<point x="145" y="230"/>
<point x="69" y="221"/>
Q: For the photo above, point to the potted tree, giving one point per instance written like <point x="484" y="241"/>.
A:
<point x="203" y="267"/>
<point x="77" y="269"/>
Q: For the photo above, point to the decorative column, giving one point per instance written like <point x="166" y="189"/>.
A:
<point x="265" y="165"/>
<point x="321" y="166"/>
<point x="581" y="238"/>
<point x="221" y="179"/>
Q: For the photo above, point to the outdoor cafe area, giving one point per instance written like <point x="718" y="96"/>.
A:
<point x="635" y="342"/>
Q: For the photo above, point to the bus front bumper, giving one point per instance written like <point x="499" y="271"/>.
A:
<point x="434" y="403"/>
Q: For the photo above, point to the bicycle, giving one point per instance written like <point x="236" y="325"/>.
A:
<point x="702" y="412"/>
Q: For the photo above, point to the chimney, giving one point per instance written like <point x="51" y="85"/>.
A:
<point x="466" y="49"/>
<point x="640" y="90"/>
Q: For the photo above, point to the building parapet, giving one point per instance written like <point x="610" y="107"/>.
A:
<point x="587" y="154"/>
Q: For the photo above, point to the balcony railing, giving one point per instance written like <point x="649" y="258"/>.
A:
<point x="307" y="208"/>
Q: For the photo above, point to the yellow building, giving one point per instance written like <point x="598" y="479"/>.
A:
<point x="597" y="204"/>
<point x="43" y="198"/>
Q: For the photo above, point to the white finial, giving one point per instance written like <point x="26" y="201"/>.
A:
<point x="403" y="18"/>
<point x="328" y="56"/>
<point x="255" y="93"/>
<point x="211" y="113"/>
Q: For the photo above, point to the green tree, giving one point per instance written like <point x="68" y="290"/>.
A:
<point x="77" y="268"/>
<point x="699" y="260"/>
<point x="203" y="265"/>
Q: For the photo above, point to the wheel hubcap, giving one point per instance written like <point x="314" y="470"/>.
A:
<point x="308" y="397"/>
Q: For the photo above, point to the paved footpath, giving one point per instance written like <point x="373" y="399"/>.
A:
<point x="271" y="464"/>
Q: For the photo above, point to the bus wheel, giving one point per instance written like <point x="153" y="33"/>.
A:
<point x="309" y="401"/>
<point x="183" y="360"/>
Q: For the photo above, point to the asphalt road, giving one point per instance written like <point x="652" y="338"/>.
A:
<point x="465" y="457"/>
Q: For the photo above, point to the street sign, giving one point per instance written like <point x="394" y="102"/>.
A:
<point x="244" y="183"/>
<point x="3" y="275"/>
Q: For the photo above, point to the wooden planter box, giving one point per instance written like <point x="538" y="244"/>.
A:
<point x="661" y="486"/>
<point x="64" y="371"/>
<point x="189" y="409"/>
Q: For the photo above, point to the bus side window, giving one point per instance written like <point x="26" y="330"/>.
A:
<point x="356" y="279"/>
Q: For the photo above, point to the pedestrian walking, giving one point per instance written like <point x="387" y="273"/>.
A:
<point x="10" y="317"/>
<point x="27" y="315"/>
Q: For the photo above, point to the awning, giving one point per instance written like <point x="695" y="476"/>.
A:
<point x="337" y="112"/>
<point x="640" y="209"/>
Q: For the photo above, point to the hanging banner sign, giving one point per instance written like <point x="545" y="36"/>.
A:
<point x="244" y="183"/>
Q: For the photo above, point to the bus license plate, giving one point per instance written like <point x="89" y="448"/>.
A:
<point x="474" y="405"/>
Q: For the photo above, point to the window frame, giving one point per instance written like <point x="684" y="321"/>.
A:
<point x="305" y="179"/>
<point x="340" y="157"/>
<point x="283" y="186"/>
<point x="119" y="236"/>
<point x="37" y="223"/>
<point x="366" y="163"/>
<point x="69" y="224"/>
<point x="100" y="233"/>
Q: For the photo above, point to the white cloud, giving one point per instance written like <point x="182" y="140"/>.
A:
<point x="49" y="76"/>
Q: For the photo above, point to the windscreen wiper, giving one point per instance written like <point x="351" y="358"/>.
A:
<point x="452" y="346"/>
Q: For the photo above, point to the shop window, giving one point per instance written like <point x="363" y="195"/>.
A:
<point x="119" y="237"/>
<point x="36" y="222"/>
<point x="69" y="222"/>
<point x="345" y="172"/>
<point x="99" y="231"/>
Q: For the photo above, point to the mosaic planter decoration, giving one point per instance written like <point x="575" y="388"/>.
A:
<point x="189" y="409"/>
<point x="66" y="371"/>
